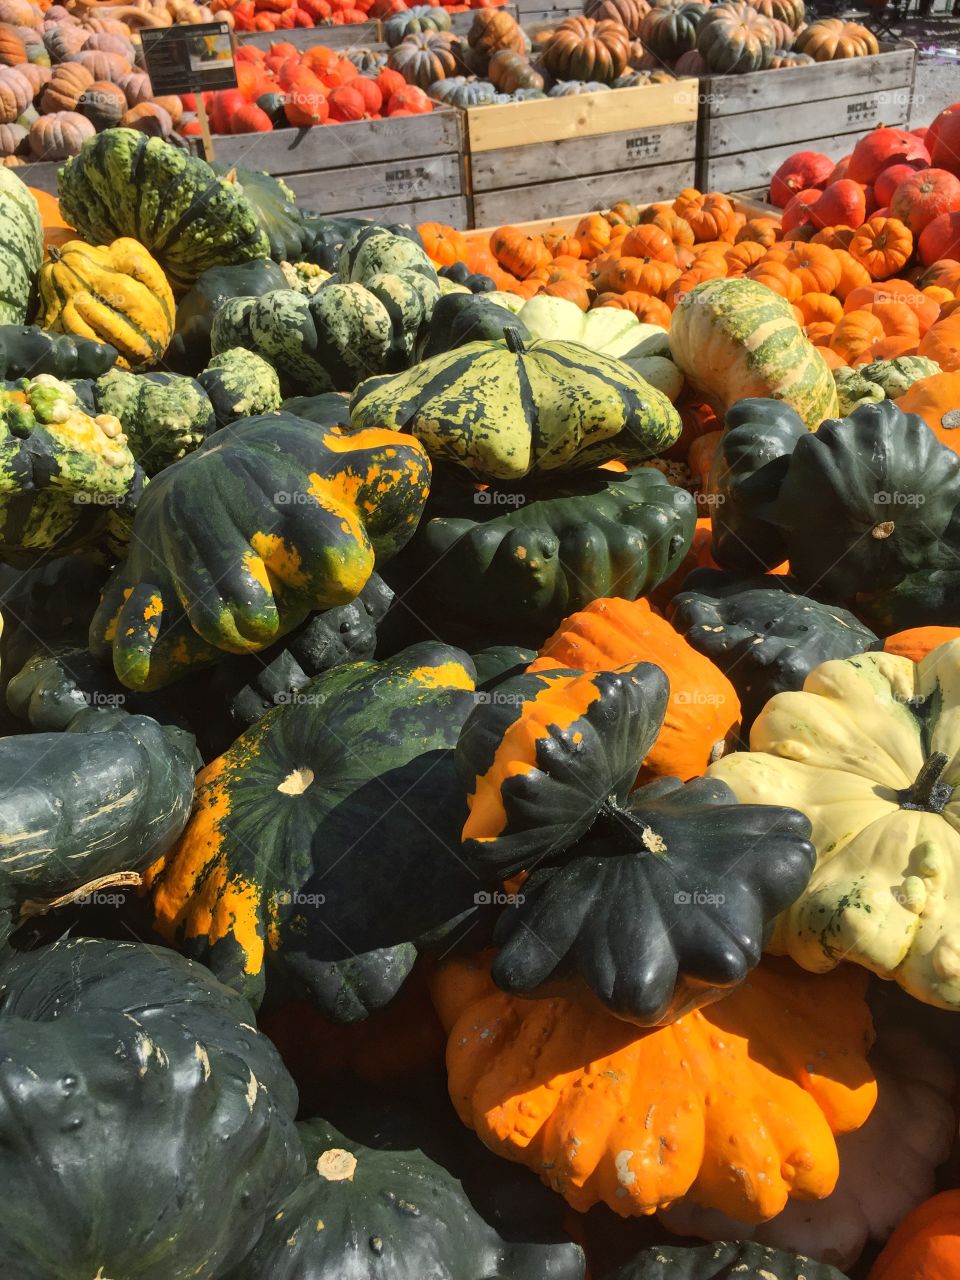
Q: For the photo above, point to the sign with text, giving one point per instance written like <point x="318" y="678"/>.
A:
<point x="189" y="59"/>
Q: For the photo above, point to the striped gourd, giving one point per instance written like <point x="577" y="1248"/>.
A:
<point x="737" y="338"/>
<point x="21" y="247"/>
<point x="116" y="294"/>
<point x="125" y="184"/>
<point x="505" y="410"/>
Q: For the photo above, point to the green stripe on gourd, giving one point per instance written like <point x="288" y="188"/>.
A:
<point x="240" y="384"/>
<point x="409" y="299"/>
<point x="505" y="410"/>
<point x="21" y="247"/>
<point x="736" y="338"/>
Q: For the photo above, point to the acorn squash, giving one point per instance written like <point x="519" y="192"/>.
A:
<point x="275" y="207"/>
<point x="189" y="350"/>
<point x="240" y="384"/>
<point x="459" y="318"/>
<point x="746" y="1261"/>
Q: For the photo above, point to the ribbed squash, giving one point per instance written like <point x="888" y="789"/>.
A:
<point x="21" y="247"/>
<point x="737" y="338"/>
<point x="117" y="294"/>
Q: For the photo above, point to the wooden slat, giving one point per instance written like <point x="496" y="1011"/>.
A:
<point x="634" y="149"/>
<point x="360" y="35"/>
<point x="343" y="146"/>
<point x="581" y="116"/>
<point x="552" y="200"/>
<point x="794" y="86"/>
<point x="453" y="211"/>
<point x="39" y="174"/>
<point x="748" y="169"/>
<point x="369" y="186"/>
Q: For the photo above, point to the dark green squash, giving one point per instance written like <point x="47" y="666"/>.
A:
<point x="459" y="318"/>
<point x="61" y="829"/>
<point x="747" y="1261"/>
<point x="499" y="662"/>
<point x="349" y="784"/>
<point x="930" y="598"/>
<point x="26" y="351"/>
<point x="164" y="415"/>
<point x="240" y="384"/>
<point x="329" y="409"/>
<point x="148" y="1096"/>
<point x="268" y="521"/>
<point x="328" y="236"/>
<point x="189" y="350"/>
<point x="460" y="273"/>
<point x="763" y="635"/>
<point x="276" y="208"/>
<point x="273" y="104"/>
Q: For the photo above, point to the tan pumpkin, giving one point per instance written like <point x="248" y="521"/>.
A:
<point x="63" y="91"/>
<point x="508" y="71"/>
<point x="36" y="74"/>
<point x="16" y="95"/>
<point x="106" y="42"/>
<point x="64" y="42"/>
<point x="583" y="49"/>
<point x="20" y="13"/>
<point x="137" y="87"/>
<point x="173" y="107"/>
<point x="59" y="135"/>
<point x="103" y="104"/>
<point x="491" y="31"/>
<point x="13" y="140"/>
<point x="104" y="66"/>
<point x="832" y="38"/>
<point x="148" y="118"/>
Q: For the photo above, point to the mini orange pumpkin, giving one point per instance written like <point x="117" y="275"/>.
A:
<point x="761" y="231"/>
<point x="926" y="1244"/>
<point x="937" y="401"/>
<point x="519" y="253"/>
<point x="593" y="233"/>
<point x="641" y="275"/>
<point x="677" y="228"/>
<point x="647" y="308"/>
<point x="444" y="245"/>
<point x="562" y="244"/>
<point x="916" y="642"/>
<point x="820" y="308"/>
<point x="834" y="237"/>
<point x="853" y="274"/>
<point x="648" y="241"/>
<point x="883" y="246"/>
<point x="855" y="334"/>
<point x="742" y="256"/>
<point x="777" y="276"/>
<point x="942" y="342"/>
<point x="814" y="265"/>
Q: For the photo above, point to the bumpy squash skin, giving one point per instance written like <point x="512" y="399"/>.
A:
<point x="189" y="351"/>
<point x="276" y="209"/>
<point x="21" y="247"/>
<point x="284" y="815"/>
<point x="57" y="836"/>
<point x="512" y="577"/>
<point x="736" y="338"/>
<point x="268" y="521"/>
<point x="125" y="184"/>
<point x="747" y="1261"/>
<point x="240" y="385"/>
<point x="764" y="636"/>
<point x="164" y="415"/>
<point x="505" y="411"/>
<point x="28" y="350"/>
<point x="389" y="1211"/>
<point x="115" y="1052"/>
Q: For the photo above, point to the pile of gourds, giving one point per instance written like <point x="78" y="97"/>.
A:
<point x="513" y="736"/>
<point x="284" y="15"/>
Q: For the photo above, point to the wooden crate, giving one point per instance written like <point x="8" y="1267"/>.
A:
<point x="552" y="156"/>
<point x="749" y="124"/>
<point x="535" y="13"/>
<point x="41" y="174"/>
<point x="366" y="35"/>
<point x="404" y="169"/>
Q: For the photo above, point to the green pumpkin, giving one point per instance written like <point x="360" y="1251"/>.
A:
<point x="930" y="598"/>
<point x="896" y="377"/>
<point x="330" y="409"/>
<point x="189" y="350"/>
<point x="765" y="636"/>
<point x="125" y="184"/>
<point x="240" y="384"/>
<point x="148" y="1096"/>
<point x="273" y="104"/>
<point x="288" y="822"/>
<point x="855" y="388"/>
<point x="504" y="410"/>
<point x="391" y="1211"/>
<point x="61" y="830"/>
<point x="26" y="351"/>
<point x="21" y="247"/>
<point x="460" y="318"/>
<point x="508" y="565"/>
<point x="417" y="18"/>
<point x="734" y="39"/>
<point x="463" y="92"/>
<point x="275" y="206"/>
<point x="164" y="415"/>
<point x="669" y="29"/>
<point x="61" y="472"/>
<point x="499" y="662"/>
<point x="746" y="1261"/>
<point x="866" y="501"/>
<point x="268" y="521"/>
<point x="328" y="236"/>
<point x="460" y="273"/>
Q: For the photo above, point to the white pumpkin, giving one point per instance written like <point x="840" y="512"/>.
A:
<point x="869" y="750"/>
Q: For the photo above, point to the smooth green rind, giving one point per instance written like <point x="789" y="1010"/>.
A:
<point x="21" y="247"/>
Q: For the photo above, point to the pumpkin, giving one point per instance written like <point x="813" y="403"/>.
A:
<point x="12" y="49"/>
<point x="763" y="636"/>
<point x="16" y="95"/>
<point x="646" y="308"/>
<point x="59" y="135"/>
<point x="119" y="1027"/>
<point x="509" y="72"/>
<point x="123" y="184"/>
<point x="21" y="247"/>
<point x="628" y="12"/>
<point x="62" y="41"/>
<point x="491" y="31"/>
<point x="189" y="350"/>
<point x="942" y="343"/>
<point x="28" y="351"/>
<point x="820" y="308"/>
<point x="936" y="400"/>
<point x="751" y="1049"/>
<point x="738" y="1261"/>
<point x="275" y="206"/>
<point x="510" y="567"/>
<point x="922" y="196"/>
<point x="240" y="384"/>
<point x="916" y="642"/>
<point x="460" y="318"/>
<point x="149" y="118"/>
<point x="669" y="30"/>
<point x="831" y="38"/>
<point x="733" y="38"/>
<point x="164" y="415"/>
<point x="65" y="88"/>
<point x="103" y="65"/>
<point x="884" y="868"/>
<point x="13" y="140"/>
<point x="286" y="900"/>
<point x="442" y="244"/>
<point x="306" y="538"/>
<point x="117" y="293"/>
<point x="924" y="1245"/>
<point x="634" y="275"/>
<point x="547" y="406"/>
<point x="883" y="246"/>
<point x="583" y="49"/>
<point x="519" y="253"/>
<point x="103" y="104"/>
<point x="703" y="709"/>
<point x="425" y="58"/>
<point x="712" y="342"/>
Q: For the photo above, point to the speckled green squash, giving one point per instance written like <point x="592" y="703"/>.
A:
<point x="505" y="410"/>
<point x="896" y="377"/>
<point x="747" y="1261"/>
<point x="276" y="208"/>
<point x="148" y="1095"/>
<point x="189" y="351"/>
<point x="268" y="521"/>
<point x="240" y="384"/>
<point x="286" y="826"/>
<point x="737" y="338"/>
<point x="125" y="184"/>
<point x="164" y="415"/>
<point x="21" y="247"/>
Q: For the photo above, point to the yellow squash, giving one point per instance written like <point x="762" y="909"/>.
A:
<point x="110" y="293"/>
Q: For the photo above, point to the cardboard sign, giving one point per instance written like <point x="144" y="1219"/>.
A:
<point x="189" y="59"/>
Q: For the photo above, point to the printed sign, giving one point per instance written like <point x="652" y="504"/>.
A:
<point x="189" y="59"/>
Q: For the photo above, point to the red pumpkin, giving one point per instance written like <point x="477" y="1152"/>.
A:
<point x="409" y="101"/>
<point x="251" y="119"/>
<point x="369" y="90"/>
<point x="881" y="148"/>
<point x="842" y="204"/>
<point x="923" y="196"/>
<point x="224" y="107"/>
<point x="797" y="212"/>
<point x="940" y="239"/>
<point x="390" y="82"/>
<point x="943" y="140"/>
<point x="799" y="172"/>
<point x="839" y="170"/>
<point x="888" y="181"/>
<point x="306" y="102"/>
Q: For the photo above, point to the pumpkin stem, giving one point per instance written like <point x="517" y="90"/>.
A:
<point x="928" y="793"/>
<point x="514" y="341"/>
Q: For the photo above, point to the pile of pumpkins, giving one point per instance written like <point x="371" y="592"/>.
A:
<point x="65" y="75"/>
<point x="333" y="551"/>
<point x="283" y="15"/>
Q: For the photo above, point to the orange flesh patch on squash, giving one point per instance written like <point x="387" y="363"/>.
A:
<point x="448" y="675"/>
<point x="110" y="631"/>
<point x="276" y="560"/>
<point x="559" y="705"/>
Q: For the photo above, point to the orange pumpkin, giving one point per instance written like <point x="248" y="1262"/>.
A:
<point x="567" y="284"/>
<point x="945" y="272"/>
<point x="703" y="712"/>
<point x="706" y="268"/>
<point x="443" y="244"/>
<point x="711" y="217"/>
<point x="818" y="308"/>
<point x="917" y="642"/>
<point x="735" y="1104"/>
<point x="883" y="246"/>
<point x="761" y="231"/>
<point x="742" y="256"/>
<point x="853" y="275"/>
<point x="777" y="276"/>
<point x="834" y="237"/>
<point x="562" y="244"/>
<point x="937" y="401"/>
<point x="926" y="309"/>
<point x="833" y="359"/>
<point x="641" y="275"/>
<point x="819" y="332"/>
<point x="926" y="1244"/>
<point x="814" y="265"/>
<point x="593" y="234"/>
<point x="942" y="343"/>
<point x="855" y="334"/>
<point x="647" y="308"/>
<point x="519" y="253"/>
<point x="677" y="228"/>
<point x="648" y="241"/>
